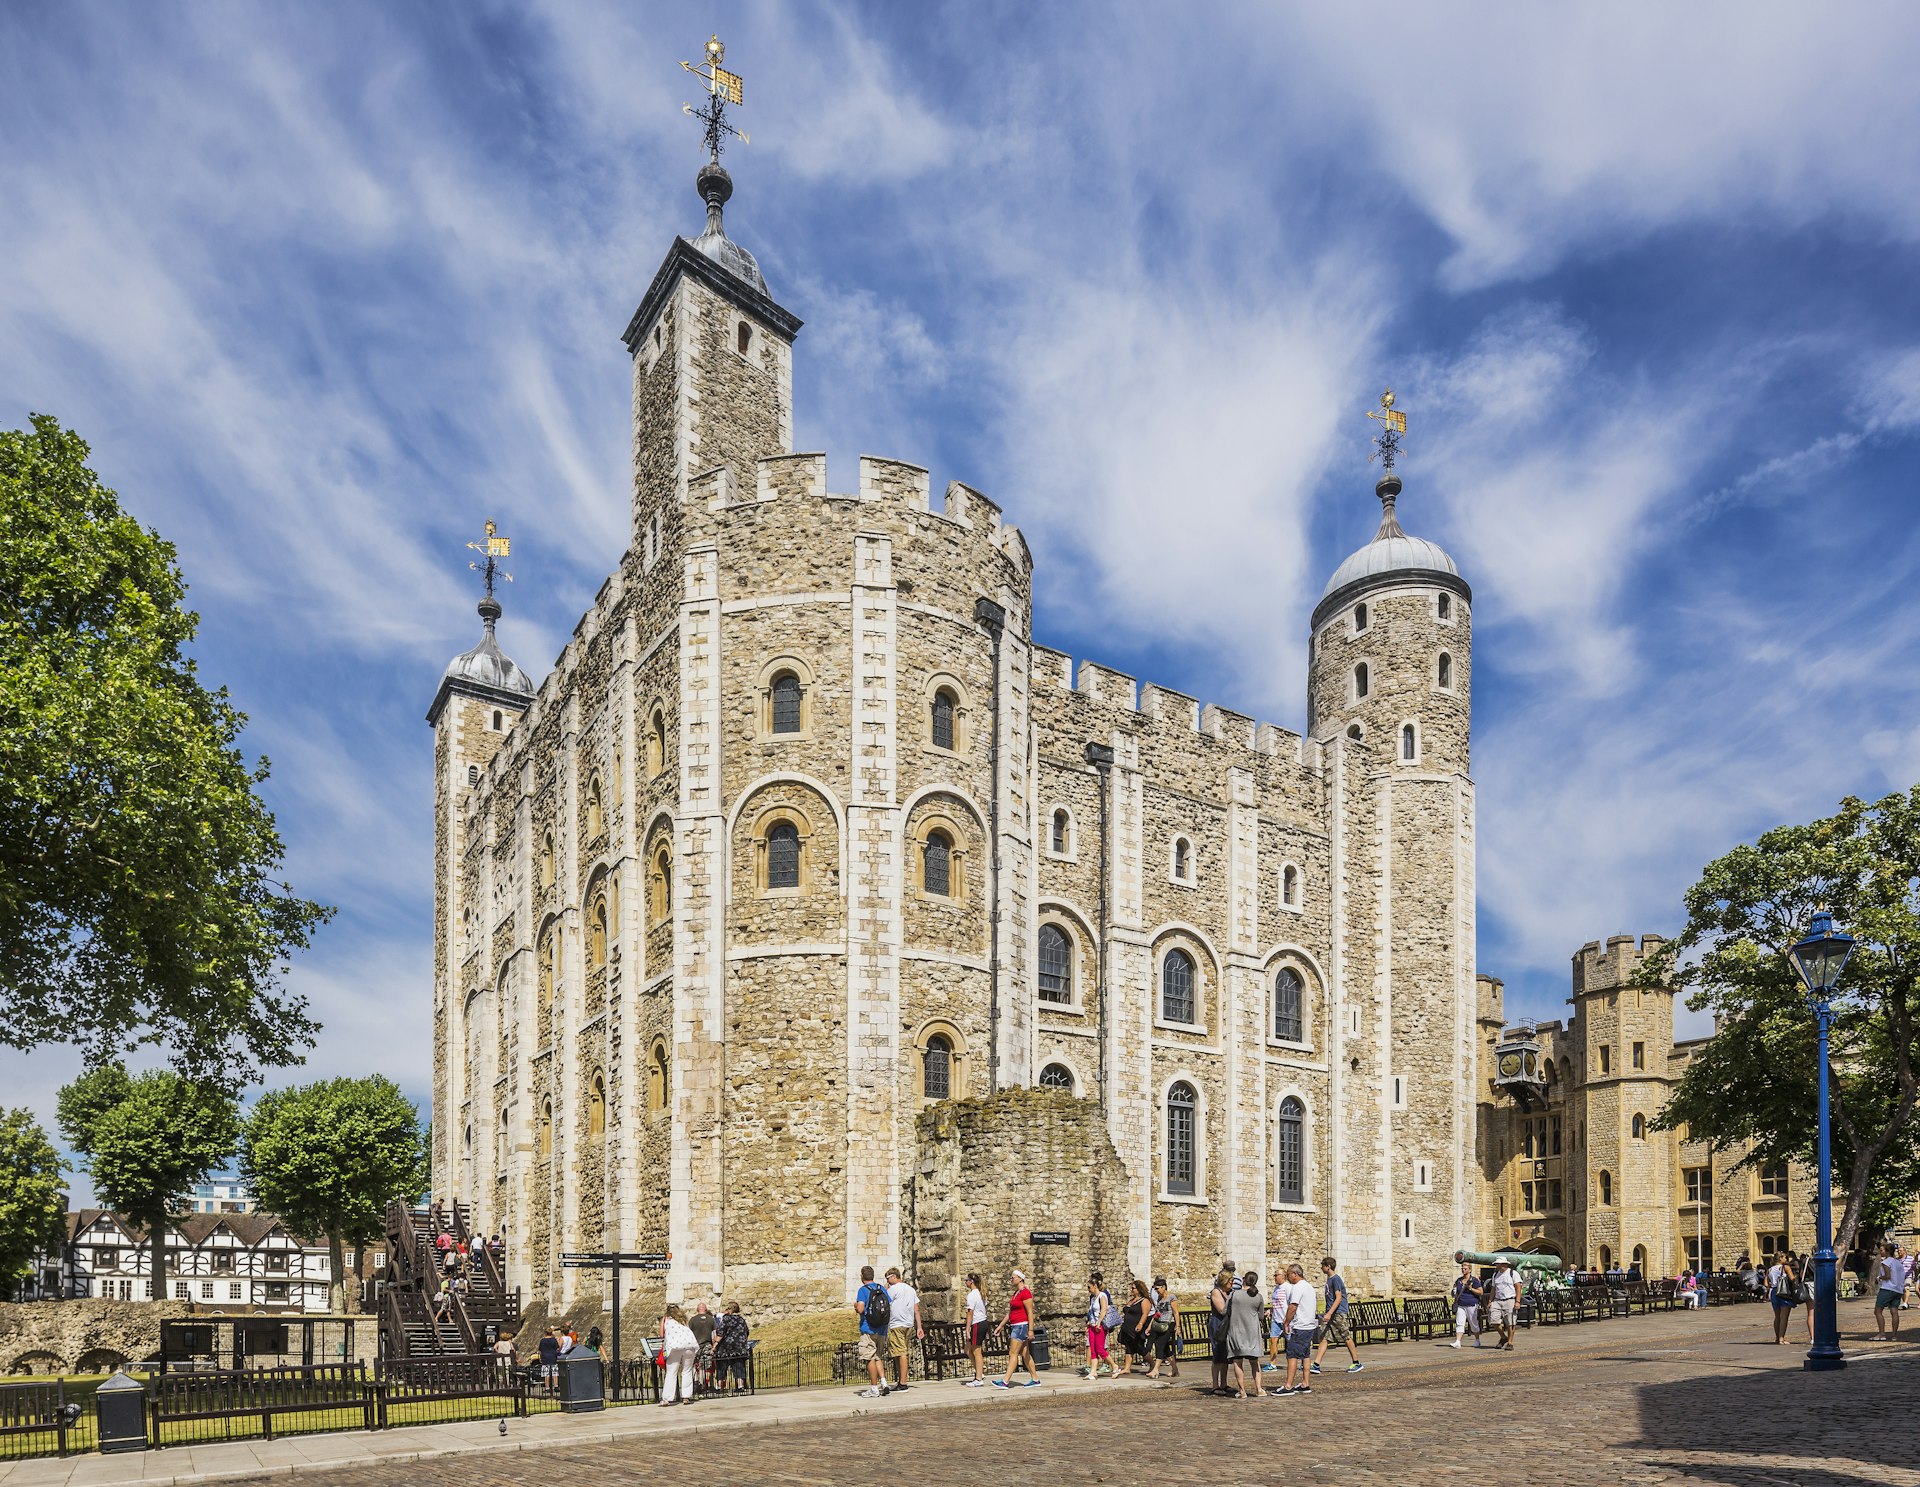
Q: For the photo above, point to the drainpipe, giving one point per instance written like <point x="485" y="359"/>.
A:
<point x="986" y="612"/>
<point x="1100" y="756"/>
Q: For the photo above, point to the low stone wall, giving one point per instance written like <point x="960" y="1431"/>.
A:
<point x="989" y="1173"/>
<point x="91" y="1336"/>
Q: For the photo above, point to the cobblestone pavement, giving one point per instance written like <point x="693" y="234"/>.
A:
<point x="1705" y="1400"/>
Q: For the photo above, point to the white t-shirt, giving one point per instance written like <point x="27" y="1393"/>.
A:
<point x="1502" y="1287"/>
<point x="976" y="1305"/>
<point x="1300" y="1297"/>
<point x="906" y="1304"/>
<point x="1890" y="1276"/>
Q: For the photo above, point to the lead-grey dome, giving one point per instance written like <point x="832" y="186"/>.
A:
<point x="716" y="186"/>
<point x="1392" y="550"/>
<point x="486" y="665"/>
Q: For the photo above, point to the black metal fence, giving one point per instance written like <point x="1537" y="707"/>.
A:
<point x="43" y="1420"/>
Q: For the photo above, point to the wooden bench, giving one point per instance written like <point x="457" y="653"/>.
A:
<point x="1374" y="1321"/>
<point x="36" y="1409"/>
<point x="1426" y="1316"/>
<point x="945" y="1347"/>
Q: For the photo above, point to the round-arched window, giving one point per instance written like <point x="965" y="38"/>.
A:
<point x="936" y="1068"/>
<point x="1060" y="833"/>
<point x="1176" y="987"/>
<point x="786" y="699"/>
<point x="1290" y="1152"/>
<point x="1057" y="1076"/>
<point x="936" y="872"/>
<point x="1606" y="1189"/>
<point x="1056" y="965"/>
<point x="1181" y="1103"/>
<point x="1445" y="671"/>
<point x="783" y="855"/>
<point x="943" y="707"/>
<point x="1360" y="681"/>
<point x="1289" y="1003"/>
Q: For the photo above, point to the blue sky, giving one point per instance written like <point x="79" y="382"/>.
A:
<point x="326" y="286"/>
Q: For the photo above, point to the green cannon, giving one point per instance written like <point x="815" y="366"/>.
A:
<point x="1516" y="1258"/>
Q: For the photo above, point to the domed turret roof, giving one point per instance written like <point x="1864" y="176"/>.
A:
<point x="485" y="671"/>
<point x="715" y="187"/>
<point x="1391" y="552"/>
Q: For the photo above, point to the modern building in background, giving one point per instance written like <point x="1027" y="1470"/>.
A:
<point x="223" y="1195"/>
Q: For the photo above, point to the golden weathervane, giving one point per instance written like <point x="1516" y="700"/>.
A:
<point x="1393" y="425"/>
<point x="723" y="87"/>
<point x="495" y="547"/>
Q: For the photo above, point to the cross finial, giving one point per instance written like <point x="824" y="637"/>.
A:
<point x="1393" y="426"/>
<point x="494" y="547"/>
<point x="723" y="87"/>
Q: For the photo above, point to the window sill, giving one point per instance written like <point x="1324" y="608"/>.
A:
<point x="1293" y="1208"/>
<point x="1052" y="856"/>
<point x="1181" y="882"/>
<point x="1191" y="1200"/>
<point x="1062" y="1009"/>
<point x="1287" y="908"/>
<point x="1287" y="1045"/>
<point x="1195" y="1029"/>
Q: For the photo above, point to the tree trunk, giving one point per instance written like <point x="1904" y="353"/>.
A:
<point x="336" y="1274"/>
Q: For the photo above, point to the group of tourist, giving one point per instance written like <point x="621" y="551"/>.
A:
<point x="707" y="1350"/>
<point x="1481" y="1303"/>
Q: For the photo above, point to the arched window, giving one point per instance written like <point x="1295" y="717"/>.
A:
<point x="1360" y="682"/>
<point x="466" y="1142"/>
<point x="546" y="1128"/>
<point x="745" y="337"/>
<point x="1056" y="965"/>
<point x="1290" y="886"/>
<point x="1606" y="1189"/>
<point x="1289" y="998"/>
<point x="1359" y="618"/>
<point x="783" y="855"/>
<point x="498" y="721"/>
<point x="1176" y="987"/>
<point x="1057" y="1076"/>
<point x="657" y="1076"/>
<point x="1640" y="1259"/>
<point x="936" y="1068"/>
<point x="597" y="1108"/>
<point x="656" y="744"/>
<point x="596" y="821"/>
<point x="473" y="774"/>
<point x="1061" y="832"/>
<point x="787" y="695"/>
<point x="1409" y="743"/>
<point x="549" y="968"/>
<point x="660" y="884"/>
<point x="1290" y="1153"/>
<point x="1183" y="859"/>
<point x="936" y="872"/>
<point x="1639" y="1128"/>
<point x="1180" y="1154"/>
<point x="597" y="932"/>
<point x="1443" y="672"/>
<point x="1446" y="606"/>
<point x="1606" y="1257"/>
<point x="1356" y="732"/>
<point x="943" y="706"/>
<point x="546" y="860"/>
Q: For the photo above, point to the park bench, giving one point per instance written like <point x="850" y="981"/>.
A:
<point x="1374" y="1321"/>
<point x="1426" y="1316"/>
<point x="945" y="1347"/>
<point x="37" y="1409"/>
<point x="1637" y="1296"/>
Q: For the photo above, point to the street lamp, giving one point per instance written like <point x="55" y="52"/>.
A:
<point x="1819" y="959"/>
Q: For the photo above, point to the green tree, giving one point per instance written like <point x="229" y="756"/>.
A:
<point x="147" y="1139"/>
<point x="1754" y="1081"/>
<point x="138" y="888"/>
<point x="32" y="1206"/>
<point x="328" y="1157"/>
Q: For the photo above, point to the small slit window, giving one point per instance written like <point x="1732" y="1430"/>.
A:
<point x="1176" y="987"/>
<point x="1056" y="965"/>
<point x="1445" y="606"/>
<point x="657" y="1077"/>
<point x="744" y="341"/>
<point x="783" y="855"/>
<point x="546" y="1128"/>
<point x="1606" y="1189"/>
<point x="660" y="884"/>
<point x="1062" y="833"/>
<point x="936" y="1066"/>
<point x="1359" y="618"/>
<point x="473" y="774"/>
<point x="786" y="703"/>
<point x="1639" y="1128"/>
<point x="597" y="1108"/>
<point x="1183" y="859"/>
<point x="1290" y="886"/>
<point x="656" y="744"/>
<point x="1360" y="681"/>
<point x="936" y="865"/>
<point x="1443" y="672"/>
<point x="1409" y="743"/>
<point x="943" y="705"/>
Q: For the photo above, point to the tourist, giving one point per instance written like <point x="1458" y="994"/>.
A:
<point x="700" y="1324"/>
<point x="1163" y="1329"/>
<point x="549" y="1359"/>
<point x="873" y="1308"/>
<point x="1099" y="1305"/>
<point x="1783" y="1290"/>
<point x="1806" y="1292"/>
<point x="905" y="1324"/>
<point x="1336" y="1324"/>
<point x="1224" y="1285"/>
<point x="1276" y="1323"/>
<point x="976" y="1331"/>
<point x="1019" y="1326"/>
<point x="1502" y="1293"/>
<point x="1467" y="1292"/>
<point x="679" y="1350"/>
<point x="731" y="1349"/>
<point x="1133" y="1325"/>
<point x="1242" y="1328"/>
<point x="1890" y="1283"/>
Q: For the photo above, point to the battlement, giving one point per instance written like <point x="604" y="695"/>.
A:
<point x="1614" y="965"/>
<point x="1154" y="704"/>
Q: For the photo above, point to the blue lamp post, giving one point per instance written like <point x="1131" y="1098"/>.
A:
<point x="1819" y="958"/>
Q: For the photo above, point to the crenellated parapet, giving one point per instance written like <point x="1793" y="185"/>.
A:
<point x="1615" y="965"/>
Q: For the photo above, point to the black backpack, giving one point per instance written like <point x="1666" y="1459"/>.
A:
<point x="879" y="1312"/>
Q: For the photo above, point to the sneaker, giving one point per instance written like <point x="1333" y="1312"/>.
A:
<point x="1032" y="1384"/>
<point x="1269" y="1368"/>
<point x="974" y="1384"/>
<point x="1456" y="1343"/>
<point x="901" y="1388"/>
<point x="1313" y="1368"/>
<point x="1356" y="1367"/>
<point x="1304" y="1389"/>
<point x="1001" y="1384"/>
<point x="867" y="1393"/>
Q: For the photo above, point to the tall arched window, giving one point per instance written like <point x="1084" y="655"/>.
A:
<point x="1180" y="1153"/>
<point x="1606" y="1257"/>
<point x="549" y="967"/>
<point x="1289" y="998"/>
<point x="597" y="1108"/>
<point x="1446" y="606"/>
<point x="657" y="1076"/>
<point x="1444" y="672"/>
<point x="503" y="1145"/>
<point x="1057" y="1076"/>
<point x="660" y="884"/>
<point x="597" y="932"/>
<point x="943" y="706"/>
<point x="1056" y="964"/>
<point x="787" y="695"/>
<point x="498" y="721"/>
<point x="656" y="744"/>
<point x="1290" y="1153"/>
<point x="1639" y="1128"/>
<point x="783" y="855"/>
<point x="1606" y="1189"/>
<point x="596" y="819"/>
<point x="1061" y="830"/>
<point x="936" y="1068"/>
<point x="546" y="860"/>
<point x="1182" y="859"/>
<point x="1409" y="743"/>
<point x="936" y="870"/>
<point x="1360" y="682"/>
<point x="546" y="1128"/>
<point x="1290" y="886"/>
<point x="1640" y="1259"/>
<point x="1176" y="987"/>
<point x="1359" y="618"/>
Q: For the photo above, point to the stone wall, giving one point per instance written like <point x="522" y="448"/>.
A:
<point x="54" y="1336"/>
<point x="988" y="1173"/>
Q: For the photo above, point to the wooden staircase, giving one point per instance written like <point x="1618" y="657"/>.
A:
<point x="408" y="1325"/>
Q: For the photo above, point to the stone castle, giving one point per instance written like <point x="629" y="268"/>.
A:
<point x="804" y="835"/>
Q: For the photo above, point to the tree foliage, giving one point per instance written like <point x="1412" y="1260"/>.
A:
<point x="328" y="1157"/>
<point x="147" y="1139"/>
<point x="138" y="889"/>
<point x="1754" y="1081"/>
<point x="32" y="1205"/>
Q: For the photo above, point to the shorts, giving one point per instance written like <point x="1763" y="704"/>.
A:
<point x="1335" y="1328"/>
<point x="1784" y="1303"/>
<point x="1501" y="1313"/>
<point x="869" y="1347"/>
<point x="1018" y="1330"/>
<point x="1887" y="1299"/>
<point x="1276" y="1329"/>
<point x="897" y="1339"/>
<point x="1300" y="1343"/>
<point x="976" y="1334"/>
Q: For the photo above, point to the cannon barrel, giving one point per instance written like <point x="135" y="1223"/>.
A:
<point x="1517" y="1259"/>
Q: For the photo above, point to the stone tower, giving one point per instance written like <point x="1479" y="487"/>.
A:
<point x="1389" y="697"/>
<point x="1623" y="1030"/>
<point x="481" y="696"/>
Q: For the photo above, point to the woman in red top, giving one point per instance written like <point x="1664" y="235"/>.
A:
<point x="1019" y="1325"/>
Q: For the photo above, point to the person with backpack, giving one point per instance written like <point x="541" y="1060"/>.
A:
<point x="1019" y="1327"/>
<point x="1163" y="1329"/>
<point x="875" y="1310"/>
<point x="1102" y="1317"/>
<point x="1467" y="1292"/>
<point x="1783" y="1290"/>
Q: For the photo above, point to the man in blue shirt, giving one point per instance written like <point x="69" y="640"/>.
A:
<point x="1334" y="1325"/>
<point x="874" y="1308"/>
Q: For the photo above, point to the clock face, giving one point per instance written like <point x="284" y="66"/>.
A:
<point x="1510" y="1064"/>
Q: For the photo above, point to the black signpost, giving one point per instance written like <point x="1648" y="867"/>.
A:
<point x="1049" y="1236"/>
<point x="616" y="1261"/>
